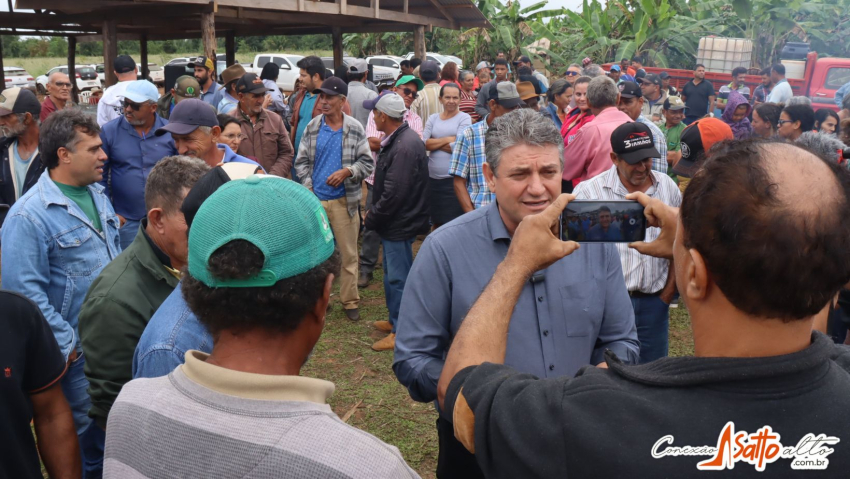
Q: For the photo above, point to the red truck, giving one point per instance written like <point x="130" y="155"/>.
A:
<point x="822" y="78"/>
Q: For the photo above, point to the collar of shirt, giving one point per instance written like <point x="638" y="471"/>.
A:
<point x="52" y="195"/>
<point x="498" y="230"/>
<point x="160" y="255"/>
<point x="260" y="117"/>
<point x="269" y="387"/>
<point x="615" y="184"/>
<point x="609" y="114"/>
<point x="158" y="123"/>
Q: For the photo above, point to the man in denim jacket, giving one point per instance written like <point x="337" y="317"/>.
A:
<point x="56" y="239"/>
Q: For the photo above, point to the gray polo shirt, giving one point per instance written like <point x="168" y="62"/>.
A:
<point x="357" y="94"/>
<point x="564" y="319"/>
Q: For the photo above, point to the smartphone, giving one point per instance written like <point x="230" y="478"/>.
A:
<point x="590" y="221"/>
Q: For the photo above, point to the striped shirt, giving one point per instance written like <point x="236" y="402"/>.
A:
<point x="428" y="101"/>
<point x="467" y="105"/>
<point x="468" y="160"/>
<point x="658" y="164"/>
<point x="642" y="273"/>
<point x="413" y="121"/>
<point x="203" y="420"/>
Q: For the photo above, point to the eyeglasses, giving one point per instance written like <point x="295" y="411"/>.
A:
<point x="132" y="105"/>
<point x="62" y="84"/>
<point x="571" y="74"/>
<point x="411" y="93"/>
<point x="782" y="122"/>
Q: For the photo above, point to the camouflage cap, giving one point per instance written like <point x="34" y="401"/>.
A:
<point x="187" y="87"/>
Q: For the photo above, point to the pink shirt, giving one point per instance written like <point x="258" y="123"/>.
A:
<point x="589" y="154"/>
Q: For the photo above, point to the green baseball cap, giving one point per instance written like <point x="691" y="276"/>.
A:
<point x="187" y="87"/>
<point x="280" y="217"/>
<point x="410" y="79"/>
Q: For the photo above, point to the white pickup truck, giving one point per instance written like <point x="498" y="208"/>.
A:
<point x="288" y="70"/>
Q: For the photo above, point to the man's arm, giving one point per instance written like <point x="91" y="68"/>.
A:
<point x="424" y="324"/>
<point x="459" y="169"/>
<point x="104" y="332"/>
<point x="56" y="434"/>
<point x="669" y="289"/>
<point x="27" y="271"/>
<point x="839" y="95"/>
<point x="483" y="336"/>
<point x="617" y="331"/>
<point x="304" y="161"/>
<point x="711" y="101"/>
<point x="364" y="163"/>
<point x="156" y="363"/>
<point x="283" y="164"/>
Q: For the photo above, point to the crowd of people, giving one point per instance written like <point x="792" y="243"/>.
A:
<point x="168" y="266"/>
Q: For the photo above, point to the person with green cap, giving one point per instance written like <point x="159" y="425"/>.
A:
<point x="260" y="273"/>
<point x="408" y="88"/>
<point x="185" y="87"/>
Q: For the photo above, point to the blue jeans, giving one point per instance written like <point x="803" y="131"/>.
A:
<point x="92" y="438"/>
<point x="652" y="318"/>
<point x="398" y="259"/>
<point x="128" y="232"/>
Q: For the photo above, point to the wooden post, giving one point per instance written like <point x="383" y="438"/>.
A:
<point x="336" y="33"/>
<point x="230" y="48"/>
<point x="2" y="74"/>
<point x="110" y="52"/>
<point x="143" y="53"/>
<point x="208" y="36"/>
<point x="72" y="69"/>
<point x="419" y="42"/>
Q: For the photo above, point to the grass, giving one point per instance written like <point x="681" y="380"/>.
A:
<point x="369" y="397"/>
<point x="39" y="65"/>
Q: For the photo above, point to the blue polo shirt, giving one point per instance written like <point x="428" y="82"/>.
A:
<point x="130" y="159"/>
<point x="231" y="156"/>
<point x="328" y="161"/>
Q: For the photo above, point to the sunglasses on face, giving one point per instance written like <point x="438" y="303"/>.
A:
<point x="411" y="93"/>
<point x="570" y="74"/>
<point x="62" y="84"/>
<point x="132" y="105"/>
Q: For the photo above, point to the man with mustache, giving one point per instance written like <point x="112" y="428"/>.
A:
<point x="19" y="110"/>
<point x="57" y="238"/>
<point x="133" y="150"/>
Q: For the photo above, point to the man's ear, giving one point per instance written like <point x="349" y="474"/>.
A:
<point x="321" y="307"/>
<point x="155" y="217"/>
<point x="696" y="275"/>
<point x="489" y="176"/>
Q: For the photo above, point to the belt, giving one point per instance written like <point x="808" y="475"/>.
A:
<point x="641" y="294"/>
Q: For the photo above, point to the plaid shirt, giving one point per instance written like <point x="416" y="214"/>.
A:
<point x="356" y="156"/>
<point x="467" y="162"/>
<point x="658" y="164"/>
<point x="413" y="121"/>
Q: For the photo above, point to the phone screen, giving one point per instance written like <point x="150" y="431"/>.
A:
<point x="603" y="222"/>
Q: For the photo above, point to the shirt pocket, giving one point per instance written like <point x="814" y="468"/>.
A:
<point x="78" y="251"/>
<point x="583" y="307"/>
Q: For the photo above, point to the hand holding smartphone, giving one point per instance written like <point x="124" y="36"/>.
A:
<point x="590" y="221"/>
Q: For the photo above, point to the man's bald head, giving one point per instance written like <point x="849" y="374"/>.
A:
<point x="59" y="86"/>
<point x="767" y="218"/>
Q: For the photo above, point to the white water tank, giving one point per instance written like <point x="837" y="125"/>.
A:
<point x="722" y="55"/>
<point x="795" y="69"/>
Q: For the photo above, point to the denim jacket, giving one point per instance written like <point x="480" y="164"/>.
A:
<point x="172" y="331"/>
<point x="52" y="253"/>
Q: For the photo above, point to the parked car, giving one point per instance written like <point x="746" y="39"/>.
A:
<point x="183" y="60"/>
<point x="86" y="78"/>
<point x="440" y="59"/>
<point x="379" y="74"/>
<point x="157" y="74"/>
<point x="18" y="77"/>
<point x="386" y="61"/>
<point x="288" y="70"/>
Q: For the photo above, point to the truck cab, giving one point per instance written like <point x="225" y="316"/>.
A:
<point x="289" y="71"/>
<point x="828" y="75"/>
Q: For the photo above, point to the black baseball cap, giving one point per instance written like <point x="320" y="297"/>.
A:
<point x="664" y="75"/>
<point x="650" y="78"/>
<point x="524" y="59"/>
<point x="250" y="83"/>
<point x="124" y="64"/>
<point x="332" y="86"/>
<point x="630" y="89"/>
<point x="633" y="142"/>
<point x="429" y="70"/>
<point x="697" y="139"/>
<point x="640" y="73"/>
<point x="187" y="116"/>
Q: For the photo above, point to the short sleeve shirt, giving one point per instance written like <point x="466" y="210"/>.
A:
<point x="697" y="97"/>
<point x="30" y="362"/>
